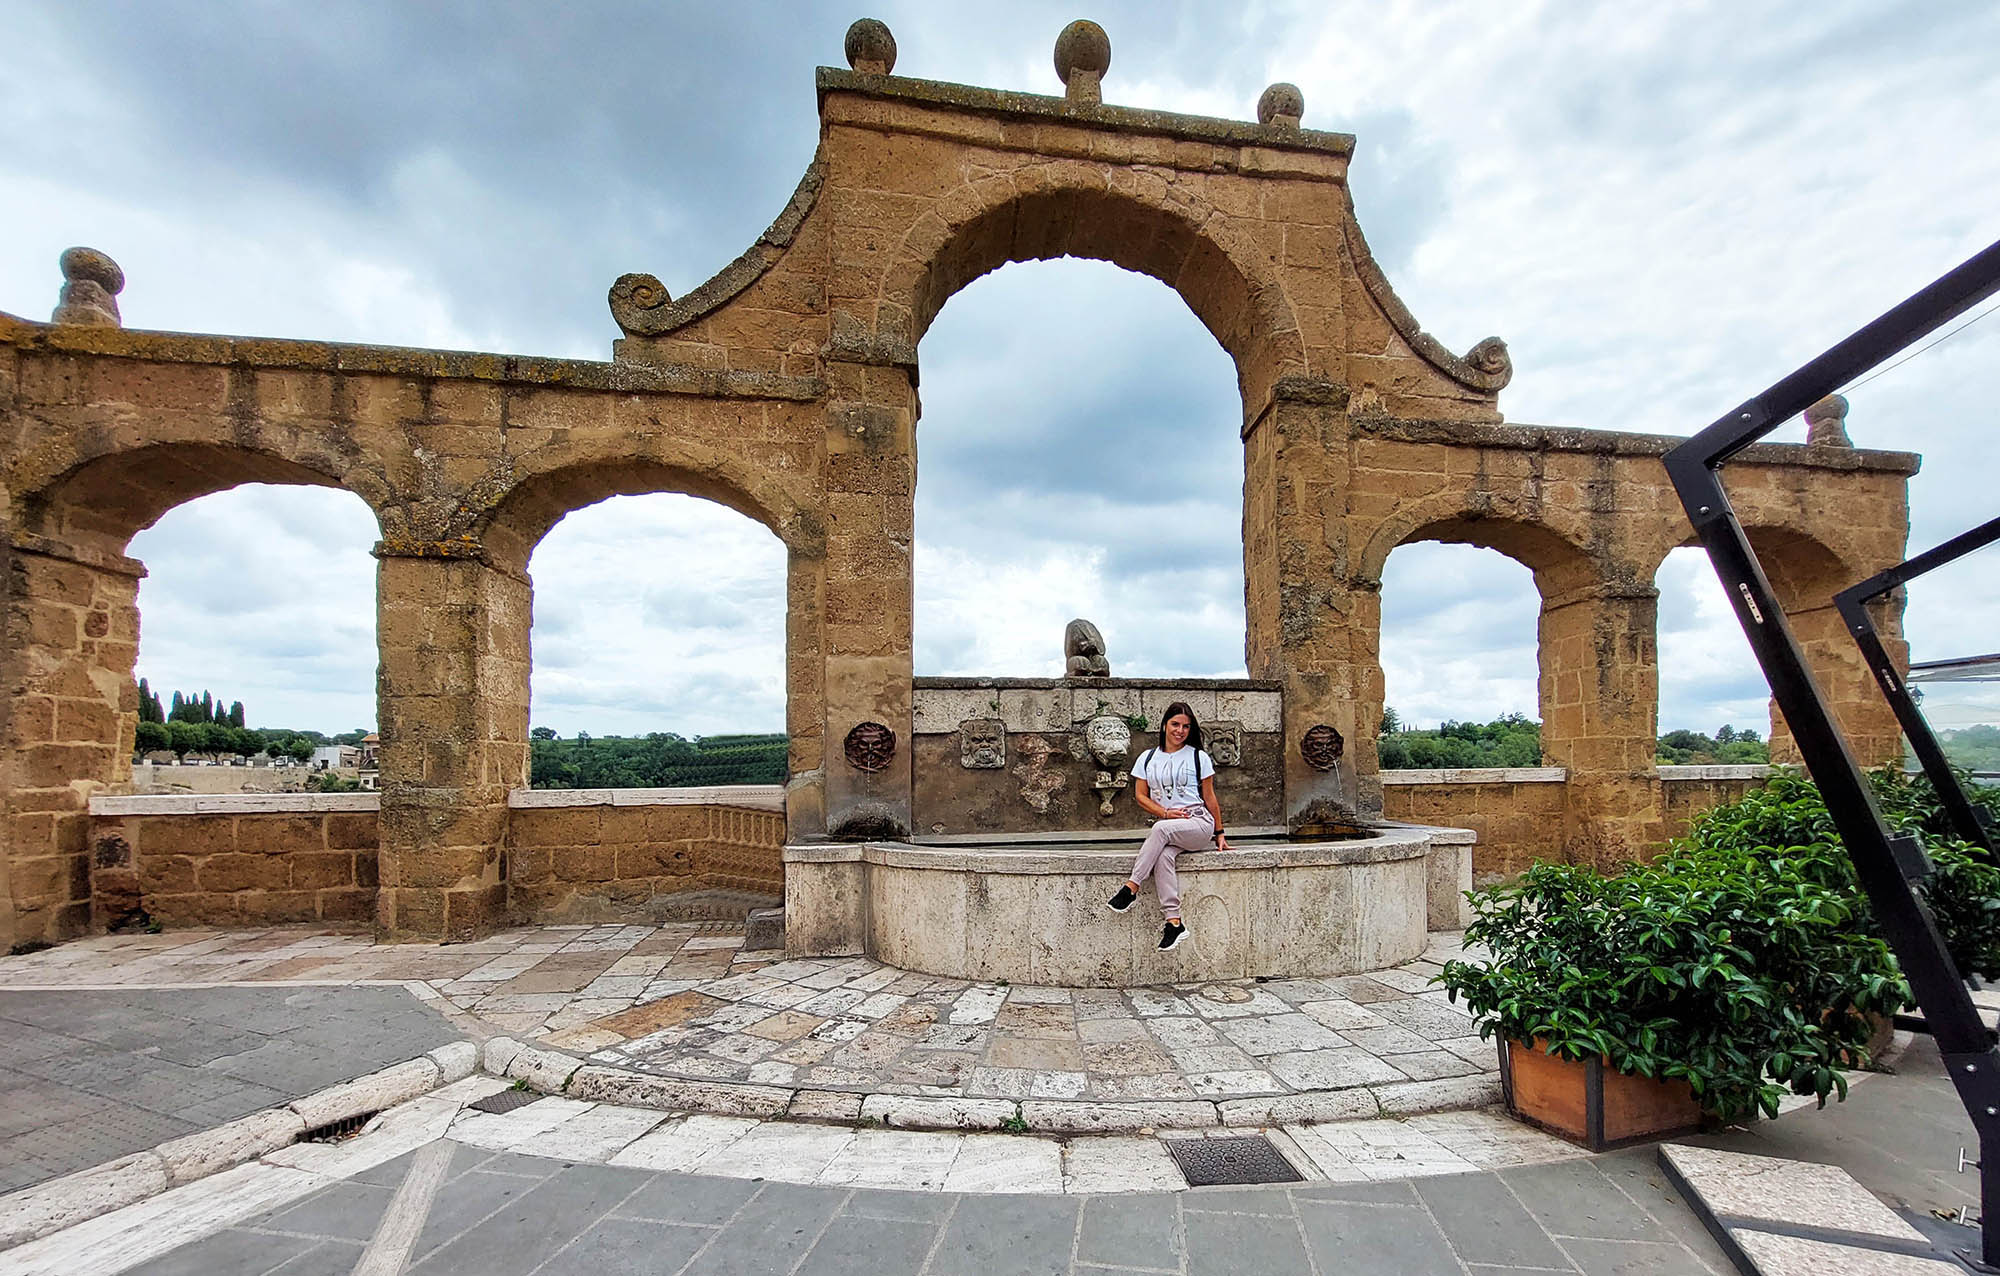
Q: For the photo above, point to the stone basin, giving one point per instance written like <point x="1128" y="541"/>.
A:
<point x="1031" y="910"/>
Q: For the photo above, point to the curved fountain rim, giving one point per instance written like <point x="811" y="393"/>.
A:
<point x="1030" y="859"/>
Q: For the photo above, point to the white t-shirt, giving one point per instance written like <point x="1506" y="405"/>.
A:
<point x="1171" y="777"/>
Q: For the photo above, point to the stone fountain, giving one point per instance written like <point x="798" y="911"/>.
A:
<point x="1027" y="824"/>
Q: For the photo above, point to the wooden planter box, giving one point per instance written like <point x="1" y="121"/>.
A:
<point x="1586" y="1102"/>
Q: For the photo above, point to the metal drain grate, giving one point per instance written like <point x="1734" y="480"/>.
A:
<point x="339" y="1131"/>
<point x="1243" y="1158"/>
<point x="505" y="1101"/>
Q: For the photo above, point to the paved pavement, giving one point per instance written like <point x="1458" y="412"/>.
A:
<point x="1900" y="1139"/>
<point x="686" y="1001"/>
<point x="564" y="1186"/>
<point x="503" y="1214"/>
<point x="86" y="1077"/>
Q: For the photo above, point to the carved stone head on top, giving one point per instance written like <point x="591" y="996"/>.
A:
<point x="1083" y="651"/>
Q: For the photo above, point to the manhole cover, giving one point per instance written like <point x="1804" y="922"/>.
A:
<point x="1227" y="994"/>
<point x="505" y="1101"/>
<point x="1246" y="1158"/>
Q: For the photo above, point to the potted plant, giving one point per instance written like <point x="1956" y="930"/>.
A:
<point x="1742" y="964"/>
<point x="1722" y="979"/>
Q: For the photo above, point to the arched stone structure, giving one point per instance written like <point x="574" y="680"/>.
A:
<point x="786" y="386"/>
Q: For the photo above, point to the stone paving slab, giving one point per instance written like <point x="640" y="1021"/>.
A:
<point x="1781" y="1217"/>
<point x="548" y="1188"/>
<point x="523" y="1214"/>
<point x="685" y="1001"/>
<point x="90" y="1076"/>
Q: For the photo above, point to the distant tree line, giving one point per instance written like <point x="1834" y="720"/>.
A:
<point x="1727" y="745"/>
<point x="1514" y="740"/>
<point x="186" y="708"/>
<point x="200" y="725"/>
<point x="657" y="760"/>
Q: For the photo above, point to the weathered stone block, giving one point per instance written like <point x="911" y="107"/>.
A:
<point x="237" y="872"/>
<point x="281" y="834"/>
<point x="350" y="830"/>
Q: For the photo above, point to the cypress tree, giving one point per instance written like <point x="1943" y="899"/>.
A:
<point x="159" y="714"/>
<point x="179" y="710"/>
<point x="207" y="708"/>
<point x="236" y="713"/>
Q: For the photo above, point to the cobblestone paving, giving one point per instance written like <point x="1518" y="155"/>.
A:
<point x="685" y="1000"/>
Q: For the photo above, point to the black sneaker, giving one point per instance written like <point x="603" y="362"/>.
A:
<point x="1171" y="936"/>
<point x="1122" y="900"/>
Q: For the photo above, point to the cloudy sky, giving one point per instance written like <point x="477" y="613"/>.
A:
<point x="1662" y="208"/>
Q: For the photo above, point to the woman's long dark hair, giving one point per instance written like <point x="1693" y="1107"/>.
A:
<point x="1194" y="725"/>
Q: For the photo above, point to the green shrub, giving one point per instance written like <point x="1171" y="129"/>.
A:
<point x="1745" y="960"/>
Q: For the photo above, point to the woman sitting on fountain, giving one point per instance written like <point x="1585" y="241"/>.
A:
<point x="1175" y="784"/>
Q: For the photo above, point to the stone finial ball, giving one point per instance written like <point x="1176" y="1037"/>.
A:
<point x="1082" y="46"/>
<point x="870" y="41"/>
<point x="87" y="265"/>
<point x="1830" y="410"/>
<point x="1280" y="99"/>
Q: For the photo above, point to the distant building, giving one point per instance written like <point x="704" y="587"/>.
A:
<point x="335" y="756"/>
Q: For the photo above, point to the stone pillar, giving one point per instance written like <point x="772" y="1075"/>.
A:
<point x="1850" y="691"/>
<point x="452" y="694"/>
<point x="1309" y="625"/>
<point x="1805" y="576"/>
<point x="71" y="709"/>
<point x="1600" y="705"/>
<point x="805" y="696"/>
<point x="867" y="598"/>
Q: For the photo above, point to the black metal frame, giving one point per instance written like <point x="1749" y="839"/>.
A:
<point x="1970" y="822"/>
<point x="1887" y="866"/>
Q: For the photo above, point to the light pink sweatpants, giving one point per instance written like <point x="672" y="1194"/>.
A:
<point x="1163" y="846"/>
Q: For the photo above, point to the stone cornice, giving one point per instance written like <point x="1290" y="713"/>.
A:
<point x="1542" y="438"/>
<point x="1127" y="119"/>
<point x="280" y="354"/>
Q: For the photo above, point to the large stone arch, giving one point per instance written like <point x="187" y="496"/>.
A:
<point x="1130" y="218"/>
<point x="786" y="387"/>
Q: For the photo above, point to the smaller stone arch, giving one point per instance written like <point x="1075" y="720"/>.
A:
<point x="1805" y="572"/>
<point x="557" y="483"/>
<point x="563" y="484"/>
<point x="100" y="502"/>
<point x="1548" y="543"/>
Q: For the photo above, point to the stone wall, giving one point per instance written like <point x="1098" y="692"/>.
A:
<point x="573" y="855"/>
<point x="1011" y="755"/>
<point x="233" y="861"/>
<point x="1516" y="811"/>
<point x="1522" y="813"/>
<point x="577" y="855"/>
